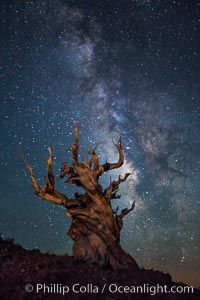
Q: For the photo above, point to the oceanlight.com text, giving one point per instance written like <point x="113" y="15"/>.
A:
<point x="112" y="288"/>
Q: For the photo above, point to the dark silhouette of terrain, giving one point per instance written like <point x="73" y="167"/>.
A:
<point x="20" y="267"/>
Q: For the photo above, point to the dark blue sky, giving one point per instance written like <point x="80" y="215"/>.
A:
<point x="128" y="68"/>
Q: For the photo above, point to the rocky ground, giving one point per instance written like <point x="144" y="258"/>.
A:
<point x="49" y="276"/>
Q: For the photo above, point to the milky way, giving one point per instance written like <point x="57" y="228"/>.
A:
<point x="128" y="69"/>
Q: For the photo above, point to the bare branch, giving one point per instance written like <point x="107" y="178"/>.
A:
<point x="100" y="169"/>
<point x="110" y="166"/>
<point x="75" y="146"/>
<point x="65" y="170"/>
<point x="50" y="171"/>
<point x="113" y="187"/>
<point x="115" y="210"/>
<point x="123" y="213"/>
<point x="33" y="180"/>
<point x="47" y="192"/>
<point x="94" y="160"/>
<point x="115" y="196"/>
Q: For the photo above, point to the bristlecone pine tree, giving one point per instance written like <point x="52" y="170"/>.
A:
<point x="95" y="226"/>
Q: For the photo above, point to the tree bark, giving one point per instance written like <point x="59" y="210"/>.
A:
<point x="95" y="226"/>
<point x="93" y="245"/>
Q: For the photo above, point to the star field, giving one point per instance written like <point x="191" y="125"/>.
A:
<point x="129" y="69"/>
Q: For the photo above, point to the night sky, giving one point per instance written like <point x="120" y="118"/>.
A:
<point x="128" y="68"/>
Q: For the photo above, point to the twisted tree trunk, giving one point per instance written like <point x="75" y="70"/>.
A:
<point x="95" y="226"/>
